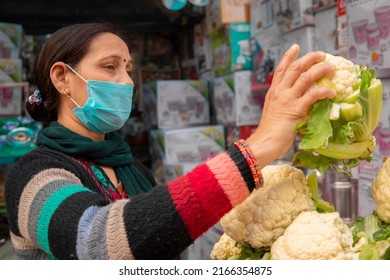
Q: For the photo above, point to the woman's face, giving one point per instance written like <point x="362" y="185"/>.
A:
<point x="107" y="59"/>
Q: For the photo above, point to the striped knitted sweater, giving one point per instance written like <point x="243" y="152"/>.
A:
<point x="60" y="207"/>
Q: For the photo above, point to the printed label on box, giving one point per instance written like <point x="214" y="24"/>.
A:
<point x="369" y="32"/>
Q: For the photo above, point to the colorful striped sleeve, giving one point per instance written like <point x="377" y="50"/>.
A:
<point x="204" y="195"/>
<point x="56" y="216"/>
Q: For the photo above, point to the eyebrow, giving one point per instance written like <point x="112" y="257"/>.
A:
<point x="118" y="57"/>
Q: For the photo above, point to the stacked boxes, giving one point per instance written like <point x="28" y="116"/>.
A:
<point x="10" y="68"/>
<point x="235" y="103"/>
<point x="369" y="32"/>
<point x="180" y="150"/>
<point x="231" y="48"/>
<point x="10" y="40"/>
<point x="10" y="98"/>
<point x="171" y="104"/>
<point x="291" y="14"/>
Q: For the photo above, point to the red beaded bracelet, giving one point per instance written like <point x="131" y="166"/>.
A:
<point x="245" y="150"/>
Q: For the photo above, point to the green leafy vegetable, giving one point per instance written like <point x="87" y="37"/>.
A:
<point x="338" y="132"/>
<point x="377" y="234"/>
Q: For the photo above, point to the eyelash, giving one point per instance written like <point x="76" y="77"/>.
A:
<point x="112" y="67"/>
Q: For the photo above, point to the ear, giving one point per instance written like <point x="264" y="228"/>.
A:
<point x="58" y="76"/>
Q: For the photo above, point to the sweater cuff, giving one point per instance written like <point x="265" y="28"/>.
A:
<point x="242" y="166"/>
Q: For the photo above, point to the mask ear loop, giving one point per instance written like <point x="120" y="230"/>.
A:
<point x="67" y="94"/>
<point x="71" y="99"/>
<point x="70" y="68"/>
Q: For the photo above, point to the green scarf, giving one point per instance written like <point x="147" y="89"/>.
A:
<point x="113" y="152"/>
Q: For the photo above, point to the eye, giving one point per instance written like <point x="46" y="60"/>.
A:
<point x="110" y="66"/>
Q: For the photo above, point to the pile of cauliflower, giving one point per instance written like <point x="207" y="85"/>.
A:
<point x="284" y="221"/>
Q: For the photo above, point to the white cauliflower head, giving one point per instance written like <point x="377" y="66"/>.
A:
<point x="381" y="191"/>
<point x="314" y="236"/>
<point x="225" y="249"/>
<point x="266" y="213"/>
<point x="345" y="77"/>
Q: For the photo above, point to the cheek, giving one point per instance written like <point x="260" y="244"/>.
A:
<point x="79" y="92"/>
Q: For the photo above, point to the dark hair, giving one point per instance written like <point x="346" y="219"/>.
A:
<point x="68" y="44"/>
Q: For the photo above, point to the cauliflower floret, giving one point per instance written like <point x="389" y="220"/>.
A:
<point x="381" y="191"/>
<point x="345" y="77"/>
<point x="314" y="236"/>
<point x="266" y="213"/>
<point x="225" y="249"/>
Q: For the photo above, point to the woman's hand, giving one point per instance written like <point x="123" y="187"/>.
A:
<point x="287" y="102"/>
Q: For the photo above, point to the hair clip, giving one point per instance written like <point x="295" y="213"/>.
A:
<point x="35" y="98"/>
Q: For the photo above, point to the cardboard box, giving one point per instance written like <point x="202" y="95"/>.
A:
<point x="202" y="50"/>
<point x="193" y="145"/>
<point x="182" y="103"/>
<point x="234" y="11"/>
<point x="234" y="101"/>
<point x="266" y="53"/>
<point x="303" y="36"/>
<point x="221" y="51"/>
<point x="231" y="49"/>
<point x="326" y="30"/>
<point x="11" y="99"/>
<point x="10" y="39"/>
<point x="213" y="16"/>
<point x="240" y="46"/>
<point x="291" y="14"/>
<point x="149" y="105"/>
<point x="382" y="132"/>
<point x="369" y="33"/>
<point x="175" y="152"/>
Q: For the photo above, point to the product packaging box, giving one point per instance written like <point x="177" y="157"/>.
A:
<point x="231" y="49"/>
<point x="291" y="14"/>
<point x="183" y="149"/>
<point x="240" y="46"/>
<point x="221" y="51"/>
<point x="10" y="39"/>
<point x="234" y="101"/>
<point x="303" y="36"/>
<point x="233" y="11"/>
<point x="234" y="133"/>
<point x="382" y="132"/>
<point x="202" y="50"/>
<point x="213" y="16"/>
<point x="367" y="172"/>
<point x="256" y="16"/>
<point x="266" y="53"/>
<point x="369" y="32"/>
<point x="182" y="103"/>
<point x="149" y="105"/>
<point x="10" y="98"/>
<point x="326" y="30"/>
<point x="263" y="17"/>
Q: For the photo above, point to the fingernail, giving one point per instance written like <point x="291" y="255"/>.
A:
<point x="332" y="66"/>
<point x="321" y="53"/>
<point x="294" y="46"/>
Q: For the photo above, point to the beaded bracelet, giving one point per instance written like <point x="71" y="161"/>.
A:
<point x="245" y="150"/>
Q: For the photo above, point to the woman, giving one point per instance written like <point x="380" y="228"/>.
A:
<point x="81" y="195"/>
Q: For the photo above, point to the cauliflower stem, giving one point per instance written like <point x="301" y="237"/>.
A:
<point x="339" y="131"/>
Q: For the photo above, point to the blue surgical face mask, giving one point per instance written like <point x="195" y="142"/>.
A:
<point x="108" y="106"/>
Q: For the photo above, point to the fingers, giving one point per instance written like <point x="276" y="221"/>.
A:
<point x="289" y="56"/>
<point x="314" y="94"/>
<point x="300" y="66"/>
<point x="309" y="77"/>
